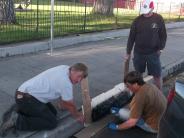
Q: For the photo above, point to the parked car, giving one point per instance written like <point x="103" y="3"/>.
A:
<point x="172" y="123"/>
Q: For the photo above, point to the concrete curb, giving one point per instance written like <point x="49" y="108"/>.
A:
<point x="19" y="49"/>
<point x="173" y="68"/>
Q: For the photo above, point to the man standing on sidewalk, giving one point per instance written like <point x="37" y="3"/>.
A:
<point x="33" y="108"/>
<point x="148" y="37"/>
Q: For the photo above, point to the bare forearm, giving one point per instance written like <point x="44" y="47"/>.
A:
<point x="127" y="124"/>
<point x="71" y="108"/>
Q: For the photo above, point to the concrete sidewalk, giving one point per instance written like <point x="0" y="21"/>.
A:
<point x="33" y="47"/>
<point x="104" y="59"/>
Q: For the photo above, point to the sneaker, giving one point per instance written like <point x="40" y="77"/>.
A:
<point x="8" y="113"/>
<point x="8" y="123"/>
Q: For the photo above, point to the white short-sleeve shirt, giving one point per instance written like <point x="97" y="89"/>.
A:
<point x="49" y="85"/>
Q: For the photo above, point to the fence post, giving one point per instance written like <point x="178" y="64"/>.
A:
<point x="170" y="11"/>
<point x="157" y="8"/>
<point x="52" y="26"/>
<point x="37" y="18"/>
<point x="180" y="11"/>
<point x="84" y="26"/>
<point x="140" y="8"/>
<point x="116" y="13"/>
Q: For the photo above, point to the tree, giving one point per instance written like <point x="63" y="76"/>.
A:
<point x="104" y="7"/>
<point x="7" y="13"/>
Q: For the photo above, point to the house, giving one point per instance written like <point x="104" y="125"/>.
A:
<point x="128" y="4"/>
<point x="161" y="6"/>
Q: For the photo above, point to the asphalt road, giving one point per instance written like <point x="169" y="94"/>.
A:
<point x="104" y="59"/>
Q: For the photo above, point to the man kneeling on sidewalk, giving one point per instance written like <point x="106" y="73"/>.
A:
<point x="33" y="108"/>
<point x="146" y="107"/>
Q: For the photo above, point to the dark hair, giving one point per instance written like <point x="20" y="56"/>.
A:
<point x="134" y="77"/>
<point x="80" y="67"/>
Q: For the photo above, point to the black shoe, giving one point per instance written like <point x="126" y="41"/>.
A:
<point x="8" y="113"/>
<point x="8" y="123"/>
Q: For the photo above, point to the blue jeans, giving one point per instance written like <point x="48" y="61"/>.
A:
<point x="143" y="125"/>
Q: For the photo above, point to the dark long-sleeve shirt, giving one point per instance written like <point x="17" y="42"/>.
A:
<point x="147" y="34"/>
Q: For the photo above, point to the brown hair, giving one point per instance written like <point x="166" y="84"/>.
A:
<point x="134" y="77"/>
<point x="80" y="67"/>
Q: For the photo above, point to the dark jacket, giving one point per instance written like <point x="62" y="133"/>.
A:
<point x="147" y="34"/>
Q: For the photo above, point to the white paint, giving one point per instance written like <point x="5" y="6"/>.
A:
<point x="106" y="95"/>
<point x="113" y="92"/>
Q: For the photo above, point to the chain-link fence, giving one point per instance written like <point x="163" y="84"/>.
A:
<point x="31" y="19"/>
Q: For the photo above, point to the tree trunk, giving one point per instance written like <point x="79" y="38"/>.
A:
<point x="7" y="13"/>
<point x="104" y="7"/>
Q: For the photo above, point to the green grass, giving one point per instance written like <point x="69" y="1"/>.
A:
<point x="69" y="19"/>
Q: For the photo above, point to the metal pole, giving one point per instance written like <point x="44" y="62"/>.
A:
<point x="52" y="26"/>
<point x="116" y="22"/>
<point x="84" y="27"/>
<point x="180" y="11"/>
<point x="157" y="8"/>
<point x="170" y="11"/>
<point x="140" y="8"/>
